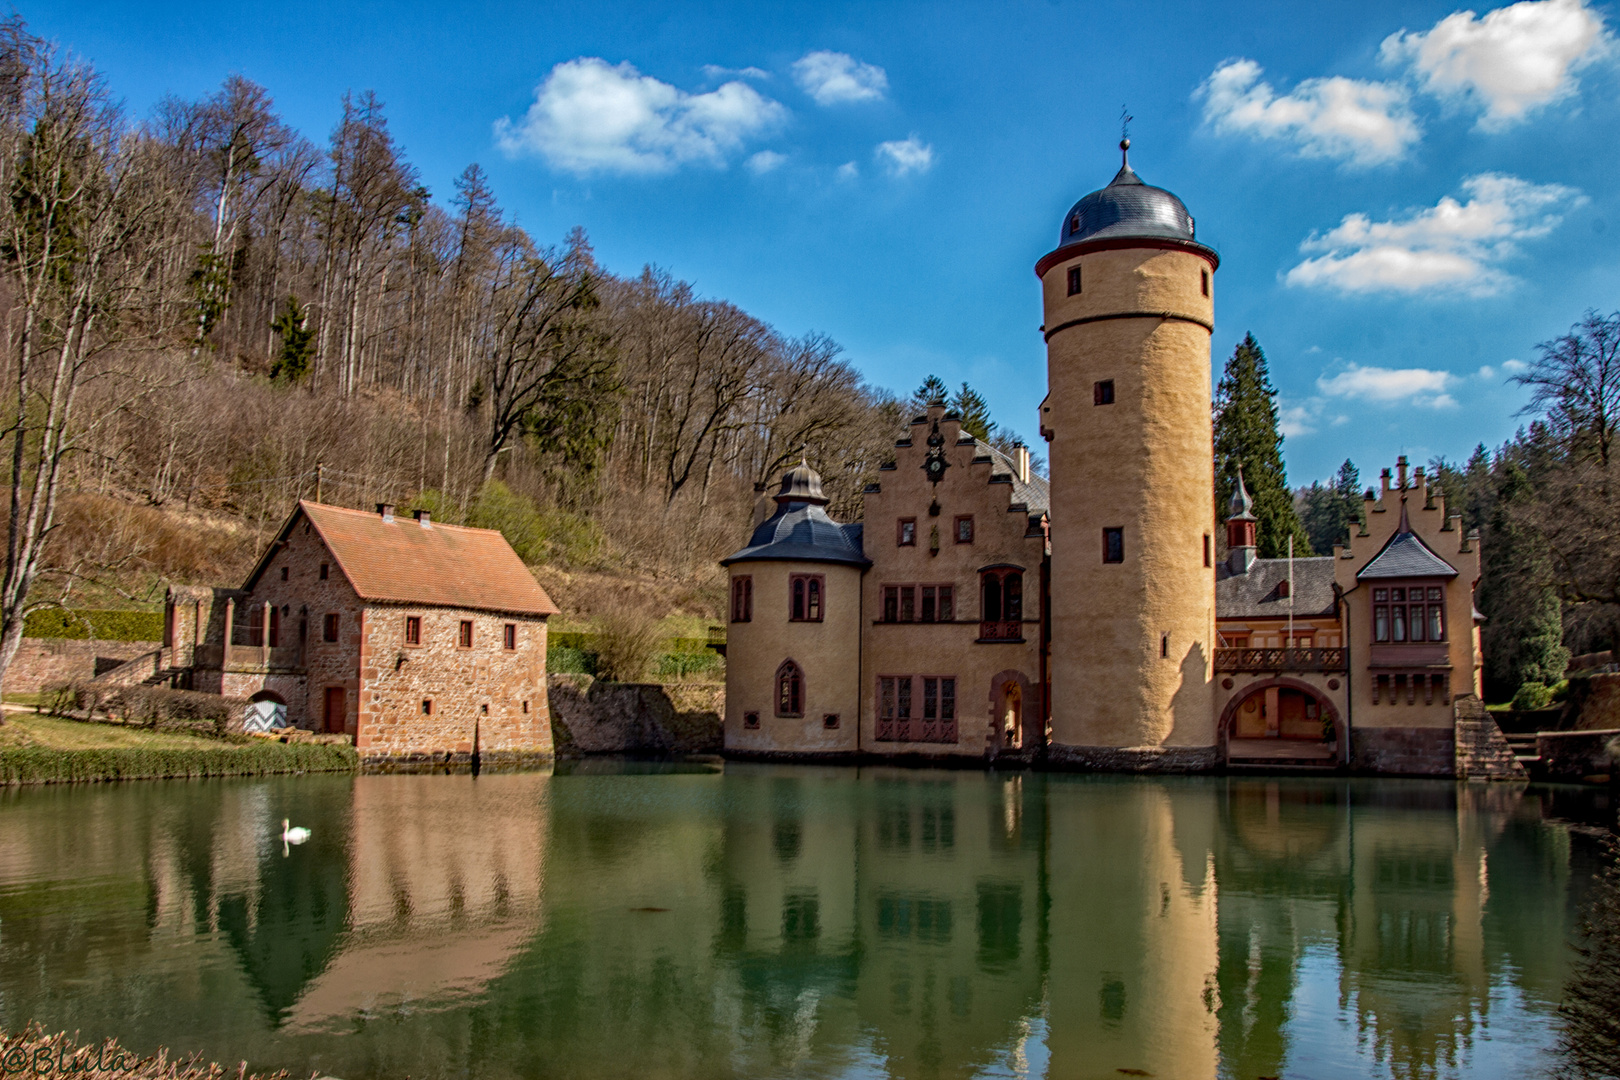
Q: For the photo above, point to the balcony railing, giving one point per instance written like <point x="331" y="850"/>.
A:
<point x="246" y="658"/>
<point x="1280" y="660"/>
<point x="1002" y="630"/>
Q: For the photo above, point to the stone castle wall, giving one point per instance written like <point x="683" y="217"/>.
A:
<point x="42" y="661"/>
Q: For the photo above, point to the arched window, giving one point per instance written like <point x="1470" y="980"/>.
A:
<point x="789" y="690"/>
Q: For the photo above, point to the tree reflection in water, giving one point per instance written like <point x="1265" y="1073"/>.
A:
<point x="1590" y="1044"/>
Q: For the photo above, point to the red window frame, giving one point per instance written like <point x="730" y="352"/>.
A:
<point x="509" y="637"/>
<point x="807" y="597"/>
<point x="964" y="529"/>
<point x="413" y="629"/>
<point x="917" y="602"/>
<point x="916" y="708"/>
<point x="905" y="532"/>
<point x="1409" y="613"/>
<point x="1001" y="604"/>
<point x="789" y="690"/>
<point x="742" y="598"/>
<point x="464" y="636"/>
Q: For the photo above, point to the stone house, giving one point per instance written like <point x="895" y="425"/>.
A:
<point x="416" y="639"/>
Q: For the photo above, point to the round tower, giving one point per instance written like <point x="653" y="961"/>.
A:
<point x="1129" y="301"/>
<point x="793" y="644"/>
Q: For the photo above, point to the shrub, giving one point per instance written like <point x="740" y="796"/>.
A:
<point x="499" y="507"/>
<point x="154" y="706"/>
<point x="681" y="665"/>
<point x="628" y="639"/>
<point x="259" y="757"/>
<point x="80" y="624"/>
<point x="1532" y="696"/>
<point x="562" y="660"/>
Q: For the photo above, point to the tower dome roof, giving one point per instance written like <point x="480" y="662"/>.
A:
<point x="800" y="530"/>
<point x="1127" y="209"/>
<point x="801" y="484"/>
<point x="1241" y="508"/>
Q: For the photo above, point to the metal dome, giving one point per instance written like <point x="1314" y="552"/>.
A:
<point x="801" y="484"/>
<point x="1126" y="208"/>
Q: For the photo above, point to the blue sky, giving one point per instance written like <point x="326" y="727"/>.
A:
<point x="1406" y="197"/>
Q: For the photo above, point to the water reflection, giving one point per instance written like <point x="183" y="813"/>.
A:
<point x="798" y="921"/>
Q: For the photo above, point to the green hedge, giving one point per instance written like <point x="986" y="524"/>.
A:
<point x="81" y="623"/>
<point x="41" y="765"/>
<point x="585" y="641"/>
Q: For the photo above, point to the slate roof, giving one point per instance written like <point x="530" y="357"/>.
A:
<point x="401" y="562"/>
<point x="1255" y="595"/>
<point x="1406" y="556"/>
<point x="802" y="532"/>
<point x="1035" y="493"/>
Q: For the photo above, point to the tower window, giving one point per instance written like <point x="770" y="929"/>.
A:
<point x="964" y="529"/>
<point x="1208" y="560"/>
<point x="789" y="690"/>
<point x="1102" y="393"/>
<point x="1164" y="645"/>
<point x="323" y="571"/>
<point x="427" y="706"/>
<point x="805" y="596"/>
<point x="1074" y="280"/>
<point x="1204" y="281"/>
<point x="906" y="532"/>
<point x="742" y="598"/>
<point x="1113" y="545"/>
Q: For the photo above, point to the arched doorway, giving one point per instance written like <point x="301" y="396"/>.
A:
<point x="1281" y="720"/>
<point x="1012" y="715"/>
<point x="1015" y="714"/>
<point x="266" y="711"/>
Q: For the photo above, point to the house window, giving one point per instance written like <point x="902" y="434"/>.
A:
<point x="509" y="637"/>
<point x="1113" y="545"/>
<point x="919" y="603"/>
<point x="1074" y="280"/>
<point x="789" y="690"/>
<point x="742" y="598"/>
<point x="805" y="597"/>
<point x="830" y="721"/>
<point x="1001" y="611"/>
<point x="751" y="721"/>
<point x="465" y="639"/>
<point x="283" y="573"/>
<point x="906" y="532"/>
<point x="323" y="571"/>
<point x="1102" y="393"/>
<point x="899" y="721"/>
<point x="964" y="529"/>
<point x="413" y="629"/>
<point x="427" y="706"/>
<point x="275" y="627"/>
<point x="1437" y="618"/>
<point x="1204" y="281"/>
<point x="329" y="627"/>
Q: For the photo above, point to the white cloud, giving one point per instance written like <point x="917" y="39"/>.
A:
<point x="715" y="71"/>
<point x="1513" y="367"/>
<point x="1365" y="123"/>
<point x="1450" y="247"/>
<point x="1295" y="420"/>
<point x="764" y="161"/>
<point x="1486" y="372"/>
<point x="834" y="78"/>
<point x="904" y="156"/>
<point x="591" y="116"/>
<point x="848" y="171"/>
<point x="1422" y="387"/>
<point x="1512" y="61"/>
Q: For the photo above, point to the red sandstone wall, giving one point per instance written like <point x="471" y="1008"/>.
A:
<point x="500" y="692"/>
<point x="42" y="661"/>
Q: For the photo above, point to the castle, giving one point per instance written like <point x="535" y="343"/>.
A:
<point x="981" y="612"/>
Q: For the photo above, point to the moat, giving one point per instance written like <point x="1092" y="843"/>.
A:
<point x="697" y="921"/>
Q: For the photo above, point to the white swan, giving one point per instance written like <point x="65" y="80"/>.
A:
<point x="291" y="834"/>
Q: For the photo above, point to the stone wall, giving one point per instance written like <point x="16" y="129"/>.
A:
<point x="42" y="661"/>
<point x="1415" y="751"/>
<point x="1577" y="755"/>
<point x="593" y="717"/>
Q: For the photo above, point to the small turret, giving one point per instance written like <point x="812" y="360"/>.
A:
<point x="801" y="484"/>
<point x="1241" y="526"/>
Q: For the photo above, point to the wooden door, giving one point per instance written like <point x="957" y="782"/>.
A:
<point x="337" y="709"/>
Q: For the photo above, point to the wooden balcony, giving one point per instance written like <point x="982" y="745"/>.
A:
<point x="1280" y="660"/>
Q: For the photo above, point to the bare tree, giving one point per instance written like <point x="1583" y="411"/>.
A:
<point x="1575" y="384"/>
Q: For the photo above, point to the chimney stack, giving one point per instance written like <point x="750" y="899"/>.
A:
<point x="386" y="510"/>
<point x="1021" y="462"/>
<point x="423" y="518"/>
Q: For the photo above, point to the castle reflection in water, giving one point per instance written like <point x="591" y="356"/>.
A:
<point x="799" y="921"/>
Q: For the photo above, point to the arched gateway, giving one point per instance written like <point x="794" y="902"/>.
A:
<point x="1281" y="721"/>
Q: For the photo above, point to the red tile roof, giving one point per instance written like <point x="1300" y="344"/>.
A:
<point x="402" y="562"/>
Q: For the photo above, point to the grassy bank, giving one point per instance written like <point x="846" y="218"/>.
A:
<point x="52" y="750"/>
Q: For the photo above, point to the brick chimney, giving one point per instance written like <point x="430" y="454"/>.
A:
<point x="423" y="518"/>
<point x="386" y="510"/>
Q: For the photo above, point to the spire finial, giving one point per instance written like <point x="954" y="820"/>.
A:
<point x="1125" y="119"/>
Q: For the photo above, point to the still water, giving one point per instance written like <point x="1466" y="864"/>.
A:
<point x="667" y="921"/>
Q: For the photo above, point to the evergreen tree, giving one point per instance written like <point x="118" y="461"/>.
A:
<point x="1470" y="490"/>
<point x="933" y="391"/>
<point x="1246" y="434"/>
<point x="297" y="343"/>
<point x="970" y="405"/>
<point x="1333" y="510"/>
<point x="1524" y="628"/>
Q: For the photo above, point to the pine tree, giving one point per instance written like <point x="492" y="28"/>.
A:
<point x="970" y="405"/>
<point x="933" y="391"/>
<point x="297" y="343"/>
<point x="1333" y="510"/>
<point x="1246" y="434"/>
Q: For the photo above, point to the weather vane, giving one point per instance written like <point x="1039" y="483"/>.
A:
<point x="1125" y="119"/>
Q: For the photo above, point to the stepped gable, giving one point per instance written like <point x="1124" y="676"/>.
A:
<point x="395" y="561"/>
<point x="1257" y="594"/>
